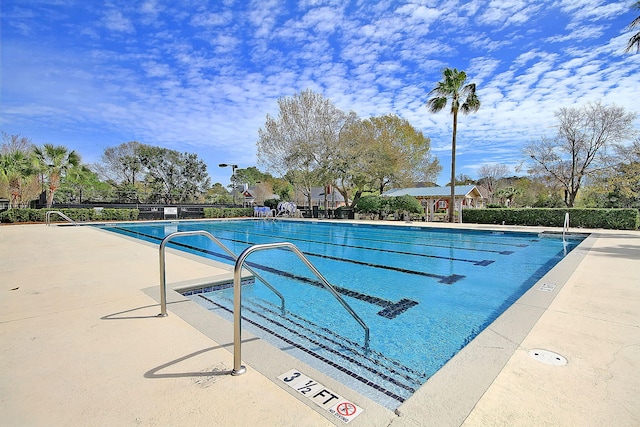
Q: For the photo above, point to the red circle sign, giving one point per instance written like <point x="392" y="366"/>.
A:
<point x="346" y="409"/>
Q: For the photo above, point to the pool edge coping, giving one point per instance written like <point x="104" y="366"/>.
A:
<point x="435" y="399"/>
<point x="451" y="394"/>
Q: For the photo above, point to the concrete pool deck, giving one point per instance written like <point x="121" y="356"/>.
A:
<point x="80" y="344"/>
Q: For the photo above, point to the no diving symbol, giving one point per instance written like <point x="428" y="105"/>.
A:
<point x="346" y="409"/>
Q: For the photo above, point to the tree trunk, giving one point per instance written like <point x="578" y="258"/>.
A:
<point x="452" y="202"/>
<point x="50" y="196"/>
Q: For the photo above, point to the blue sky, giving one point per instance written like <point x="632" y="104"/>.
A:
<point x="201" y="76"/>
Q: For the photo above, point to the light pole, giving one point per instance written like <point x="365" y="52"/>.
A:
<point x="233" y="176"/>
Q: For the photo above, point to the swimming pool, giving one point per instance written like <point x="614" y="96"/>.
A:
<point x="423" y="292"/>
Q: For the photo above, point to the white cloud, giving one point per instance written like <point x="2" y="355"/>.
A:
<point x="204" y="78"/>
<point x="593" y="9"/>
<point x="502" y="13"/>
<point x="212" y="19"/>
<point x="115" y="21"/>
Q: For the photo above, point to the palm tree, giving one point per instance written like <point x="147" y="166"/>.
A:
<point x="463" y="98"/>
<point x="54" y="161"/>
<point x="507" y="194"/>
<point x="635" y="39"/>
<point x="18" y="168"/>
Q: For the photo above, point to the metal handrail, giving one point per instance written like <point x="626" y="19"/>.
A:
<point x="163" y="280"/>
<point x="565" y="227"/>
<point x="48" y="217"/>
<point x="238" y="369"/>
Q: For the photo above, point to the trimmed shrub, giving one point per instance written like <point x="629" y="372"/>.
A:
<point x="110" y="214"/>
<point x="271" y="203"/>
<point x="370" y="205"/>
<point x="406" y="203"/>
<point x="617" y="219"/>
<point x="383" y="205"/>
<point x="16" y="215"/>
<point x="76" y="214"/>
<point x="227" y="212"/>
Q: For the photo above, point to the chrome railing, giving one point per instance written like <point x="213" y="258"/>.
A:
<point x="565" y="227"/>
<point x="66" y="218"/>
<point x="238" y="369"/>
<point x="163" y="280"/>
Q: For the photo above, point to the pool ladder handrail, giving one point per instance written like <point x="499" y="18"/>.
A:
<point x="163" y="280"/>
<point x="66" y="218"/>
<point x="565" y="227"/>
<point x="238" y="369"/>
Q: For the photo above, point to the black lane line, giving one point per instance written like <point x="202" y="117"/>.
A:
<point x="329" y="335"/>
<point x="330" y="362"/>
<point x="483" y="262"/>
<point x="390" y="309"/>
<point x="448" y="280"/>
<point x="437" y="236"/>
<point x="434" y="237"/>
<point x="330" y="339"/>
<point x="352" y="344"/>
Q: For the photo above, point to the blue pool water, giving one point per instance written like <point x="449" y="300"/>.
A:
<point x="423" y="292"/>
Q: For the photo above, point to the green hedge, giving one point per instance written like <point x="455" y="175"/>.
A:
<point x="107" y="214"/>
<point x="379" y="204"/>
<point x="617" y="219"/>
<point x="227" y="212"/>
<point x="79" y="215"/>
<point x="110" y="214"/>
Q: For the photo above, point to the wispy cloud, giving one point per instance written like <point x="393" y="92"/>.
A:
<point x="203" y="79"/>
<point x="114" y="21"/>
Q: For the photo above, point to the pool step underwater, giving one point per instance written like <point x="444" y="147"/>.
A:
<point x="371" y="373"/>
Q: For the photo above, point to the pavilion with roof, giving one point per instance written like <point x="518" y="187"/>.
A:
<point x="438" y="198"/>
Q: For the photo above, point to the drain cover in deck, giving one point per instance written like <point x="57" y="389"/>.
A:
<point x="548" y="357"/>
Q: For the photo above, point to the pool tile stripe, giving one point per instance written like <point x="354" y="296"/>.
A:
<point x="377" y="373"/>
<point x="398" y="308"/>
<point x="384" y="250"/>
<point x="343" y="291"/>
<point x="442" y="279"/>
<point x="392" y="239"/>
<point x="388" y="313"/>
<point x="411" y="375"/>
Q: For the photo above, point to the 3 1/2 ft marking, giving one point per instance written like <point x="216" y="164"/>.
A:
<point x="330" y="401"/>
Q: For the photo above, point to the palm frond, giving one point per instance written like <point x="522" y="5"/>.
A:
<point x="633" y="41"/>
<point x="436" y="104"/>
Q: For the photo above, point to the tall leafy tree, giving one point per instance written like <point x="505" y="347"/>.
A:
<point x="121" y="166"/>
<point x="250" y="175"/>
<point x="405" y="155"/>
<point x="489" y="177"/>
<point x="299" y="142"/>
<point x="580" y="146"/>
<point x="54" y="162"/>
<point x="121" y="163"/>
<point x="462" y="95"/>
<point x="174" y="177"/>
<point x="353" y="159"/>
<point x="217" y="194"/>
<point x="634" y="41"/>
<point x="380" y="152"/>
<point x="619" y="186"/>
<point x="81" y="184"/>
